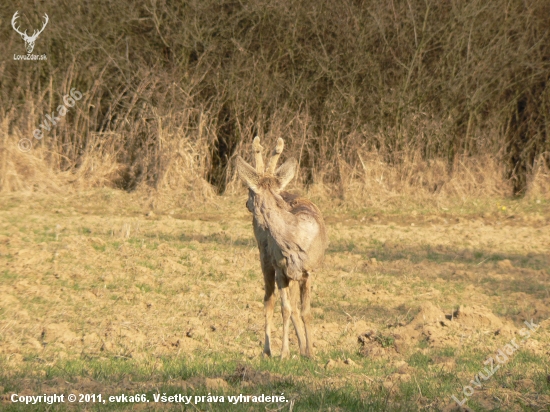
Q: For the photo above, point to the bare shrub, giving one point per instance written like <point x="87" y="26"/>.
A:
<point x="174" y="91"/>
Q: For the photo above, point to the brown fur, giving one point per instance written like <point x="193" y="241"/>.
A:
<point x="301" y="205"/>
<point x="291" y="237"/>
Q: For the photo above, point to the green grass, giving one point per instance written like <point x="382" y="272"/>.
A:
<point x="115" y="374"/>
<point x="111" y="373"/>
<point x="147" y="264"/>
<point x="420" y="360"/>
<point x="385" y="341"/>
<point x="100" y="248"/>
<point x="7" y="275"/>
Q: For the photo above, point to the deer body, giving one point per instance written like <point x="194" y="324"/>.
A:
<point x="291" y="238"/>
<point x="295" y="240"/>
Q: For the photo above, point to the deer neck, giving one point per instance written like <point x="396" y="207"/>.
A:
<point x="272" y="213"/>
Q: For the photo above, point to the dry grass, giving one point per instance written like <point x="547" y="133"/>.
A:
<point x="416" y="125"/>
<point x="95" y="292"/>
<point x="172" y="92"/>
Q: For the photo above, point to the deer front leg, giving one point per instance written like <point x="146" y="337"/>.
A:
<point x="294" y="289"/>
<point x="286" y="309"/>
<point x="269" y="304"/>
<point x="305" y="294"/>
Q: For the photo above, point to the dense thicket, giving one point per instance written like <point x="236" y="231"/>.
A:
<point x="437" y="78"/>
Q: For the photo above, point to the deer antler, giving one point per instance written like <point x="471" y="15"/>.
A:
<point x="275" y="155"/>
<point x="258" y="158"/>
<point x="15" y="17"/>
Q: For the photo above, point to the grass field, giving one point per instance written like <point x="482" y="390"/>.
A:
<point x="98" y="295"/>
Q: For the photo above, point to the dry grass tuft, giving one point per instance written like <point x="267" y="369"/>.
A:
<point x="434" y="97"/>
<point x="539" y="184"/>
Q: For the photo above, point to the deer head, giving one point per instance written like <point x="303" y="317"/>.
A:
<point x="29" y="40"/>
<point x="259" y="181"/>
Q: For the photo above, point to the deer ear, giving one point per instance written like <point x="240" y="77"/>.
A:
<point x="248" y="174"/>
<point x="285" y="173"/>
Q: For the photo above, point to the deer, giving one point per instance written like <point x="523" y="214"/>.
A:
<point x="292" y="239"/>
<point x="29" y="40"/>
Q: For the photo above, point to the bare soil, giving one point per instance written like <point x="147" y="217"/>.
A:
<point x="103" y="280"/>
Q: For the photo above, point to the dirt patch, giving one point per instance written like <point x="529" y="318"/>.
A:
<point x="59" y="332"/>
<point x="376" y="345"/>
<point x="331" y="363"/>
<point x="482" y="319"/>
<point x="439" y="330"/>
<point x="250" y="377"/>
<point x="212" y="384"/>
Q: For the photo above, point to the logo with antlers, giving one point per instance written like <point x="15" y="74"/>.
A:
<point x="29" y="40"/>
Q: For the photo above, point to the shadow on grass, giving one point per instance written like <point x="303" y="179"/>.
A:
<point x="442" y="254"/>
<point x="390" y="316"/>
<point x="182" y="378"/>
<point x="218" y="238"/>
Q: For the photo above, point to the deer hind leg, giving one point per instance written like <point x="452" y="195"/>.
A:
<point x="269" y="304"/>
<point x="295" y="315"/>
<point x="305" y="295"/>
<point x="286" y="309"/>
